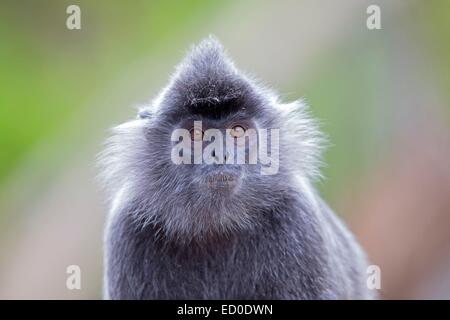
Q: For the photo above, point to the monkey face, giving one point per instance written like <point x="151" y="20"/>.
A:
<point x="211" y="154"/>
<point x="215" y="151"/>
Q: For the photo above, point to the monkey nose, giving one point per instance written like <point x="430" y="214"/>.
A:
<point x="218" y="159"/>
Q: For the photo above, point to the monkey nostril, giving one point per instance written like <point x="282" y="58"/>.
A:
<point x="213" y="153"/>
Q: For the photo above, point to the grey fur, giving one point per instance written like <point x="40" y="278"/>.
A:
<point x="170" y="237"/>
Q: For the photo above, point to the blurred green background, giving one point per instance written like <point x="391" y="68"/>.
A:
<point x="382" y="97"/>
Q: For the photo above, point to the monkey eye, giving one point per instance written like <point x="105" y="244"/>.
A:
<point x="237" y="131"/>
<point x="196" y="134"/>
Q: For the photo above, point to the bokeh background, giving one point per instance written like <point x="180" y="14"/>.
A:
<point x="382" y="97"/>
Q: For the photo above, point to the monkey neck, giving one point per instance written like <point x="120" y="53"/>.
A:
<point x="275" y="218"/>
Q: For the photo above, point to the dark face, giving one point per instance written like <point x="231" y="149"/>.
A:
<point x="220" y="136"/>
<point x="221" y="176"/>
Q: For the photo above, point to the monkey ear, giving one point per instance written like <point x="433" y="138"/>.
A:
<point x="144" y="114"/>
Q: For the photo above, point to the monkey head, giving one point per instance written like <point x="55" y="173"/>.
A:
<point x="214" y="153"/>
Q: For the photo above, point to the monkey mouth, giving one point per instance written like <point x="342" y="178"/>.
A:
<point x="221" y="181"/>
